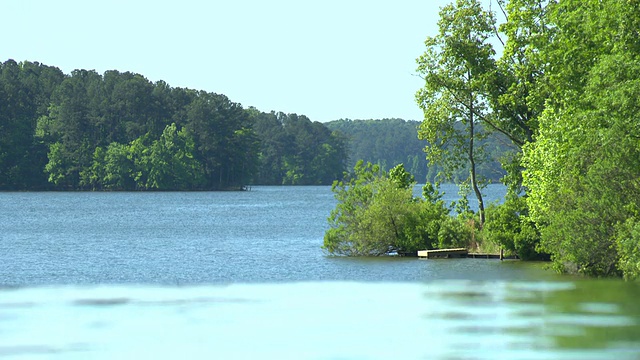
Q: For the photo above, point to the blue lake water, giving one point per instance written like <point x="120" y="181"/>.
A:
<point x="268" y="234"/>
<point x="241" y="275"/>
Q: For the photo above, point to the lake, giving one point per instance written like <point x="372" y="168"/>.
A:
<point x="241" y="275"/>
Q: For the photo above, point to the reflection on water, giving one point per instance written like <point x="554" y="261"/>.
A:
<point x="572" y="320"/>
<point x="454" y="319"/>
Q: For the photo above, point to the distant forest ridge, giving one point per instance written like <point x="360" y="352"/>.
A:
<point x="120" y="131"/>
<point x="388" y="142"/>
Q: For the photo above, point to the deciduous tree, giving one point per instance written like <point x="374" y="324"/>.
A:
<point x="456" y="67"/>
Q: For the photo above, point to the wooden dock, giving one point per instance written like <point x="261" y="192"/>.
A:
<point x="461" y="253"/>
<point x="443" y="253"/>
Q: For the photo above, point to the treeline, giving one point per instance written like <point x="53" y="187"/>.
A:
<point x="119" y="131"/>
<point x="385" y="142"/>
<point x="296" y="151"/>
<point x="565" y="92"/>
<point x="388" y="142"/>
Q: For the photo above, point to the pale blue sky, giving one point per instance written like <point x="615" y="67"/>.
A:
<point x="326" y="59"/>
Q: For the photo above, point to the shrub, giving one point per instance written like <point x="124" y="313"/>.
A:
<point x="454" y="233"/>
<point x="508" y="225"/>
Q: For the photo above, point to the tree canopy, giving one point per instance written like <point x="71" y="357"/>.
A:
<point x="582" y="170"/>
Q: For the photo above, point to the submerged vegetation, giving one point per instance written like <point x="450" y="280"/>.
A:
<point x="565" y="92"/>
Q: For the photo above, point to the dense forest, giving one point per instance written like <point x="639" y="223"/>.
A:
<point x="389" y="142"/>
<point x="564" y="90"/>
<point x="119" y="131"/>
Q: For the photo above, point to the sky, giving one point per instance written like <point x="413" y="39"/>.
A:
<point x="328" y="60"/>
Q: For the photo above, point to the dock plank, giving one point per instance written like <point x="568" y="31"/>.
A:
<point x="443" y="253"/>
<point x="460" y="253"/>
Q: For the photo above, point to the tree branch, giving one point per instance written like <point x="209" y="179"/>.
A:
<point x="511" y="137"/>
<point x="495" y="28"/>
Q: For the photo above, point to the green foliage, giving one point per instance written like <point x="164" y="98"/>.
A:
<point x="172" y="163"/>
<point x="518" y="89"/>
<point x="354" y="197"/>
<point x="582" y="171"/>
<point x="401" y="178"/>
<point x="56" y="165"/>
<point x="118" y="167"/>
<point x="423" y="225"/>
<point x="25" y="89"/>
<point x="167" y="163"/>
<point x="509" y="227"/>
<point x="462" y="207"/>
<point x="628" y="246"/>
<point x="454" y="233"/>
<point x="377" y="214"/>
<point x="293" y="150"/>
<point x="94" y="175"/>
<point x="431" y="193"/>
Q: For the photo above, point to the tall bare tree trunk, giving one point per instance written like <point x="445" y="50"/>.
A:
<point x="472" y="162"/>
